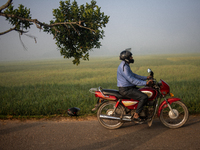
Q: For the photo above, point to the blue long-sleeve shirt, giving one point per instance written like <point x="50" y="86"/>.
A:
<point x="125" y="77"/>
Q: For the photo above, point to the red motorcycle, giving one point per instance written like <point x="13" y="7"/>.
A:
<point x="114" y="109"/>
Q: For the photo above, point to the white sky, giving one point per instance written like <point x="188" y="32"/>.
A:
<point x="147" y="26"/>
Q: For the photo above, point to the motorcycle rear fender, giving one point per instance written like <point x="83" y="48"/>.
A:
<point x="108" y="97"/>
<point x="164" y="104"/>
<point x="100" y="101"/>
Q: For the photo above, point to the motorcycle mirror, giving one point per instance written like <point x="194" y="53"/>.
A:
<point x="149" y="70"/>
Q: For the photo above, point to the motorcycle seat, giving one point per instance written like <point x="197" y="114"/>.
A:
<point x="114" y="93"/>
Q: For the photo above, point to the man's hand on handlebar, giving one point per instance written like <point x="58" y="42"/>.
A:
<point x="149" y="78"/>
<point x="149" y="82"/>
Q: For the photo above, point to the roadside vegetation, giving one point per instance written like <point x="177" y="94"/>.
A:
<point x="49" y="87"/>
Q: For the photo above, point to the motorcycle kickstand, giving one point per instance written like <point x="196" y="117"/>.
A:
<point x="151" y="121"/>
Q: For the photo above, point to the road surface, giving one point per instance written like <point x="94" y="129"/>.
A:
<point x="89" y="134"/>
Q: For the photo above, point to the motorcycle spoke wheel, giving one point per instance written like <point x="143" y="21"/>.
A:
<point x="107" y="109"/>
<point x="177" y="118"/>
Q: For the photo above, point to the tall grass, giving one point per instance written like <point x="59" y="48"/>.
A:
<point x="52" y="86"/>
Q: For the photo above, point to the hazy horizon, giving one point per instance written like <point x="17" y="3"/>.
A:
<point x="148" y="27"/>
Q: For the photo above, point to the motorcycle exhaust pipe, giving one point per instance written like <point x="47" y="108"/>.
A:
<point x="125" y="118"/>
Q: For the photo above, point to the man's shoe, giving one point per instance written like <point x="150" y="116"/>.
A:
<point x="138" y="120"/>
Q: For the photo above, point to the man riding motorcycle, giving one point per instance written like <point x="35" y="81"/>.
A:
<point x="127" y="82"/>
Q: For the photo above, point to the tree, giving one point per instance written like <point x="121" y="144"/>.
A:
<point x="77" y="30"/>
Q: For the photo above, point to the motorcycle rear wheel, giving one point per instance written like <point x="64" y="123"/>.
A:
<point x="174" y="121"/>
<point x="107" y="109"/>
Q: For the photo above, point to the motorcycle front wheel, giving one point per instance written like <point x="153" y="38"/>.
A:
<point x="177" y="118"/>
<point x="106" y="109"/>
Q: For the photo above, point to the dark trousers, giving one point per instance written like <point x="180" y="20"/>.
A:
<point x="134" y="93"/>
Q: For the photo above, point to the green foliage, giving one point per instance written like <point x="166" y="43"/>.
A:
<point x="72" y="39"/>
<point x="77" y="30"/>
<point x="22" y="12"/>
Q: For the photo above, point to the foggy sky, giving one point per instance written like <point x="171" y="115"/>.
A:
<point x="148" y="27"/>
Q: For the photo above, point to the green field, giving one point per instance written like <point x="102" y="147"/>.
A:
<point x="50" y="87"/>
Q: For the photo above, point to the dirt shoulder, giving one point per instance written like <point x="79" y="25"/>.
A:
<point x="56" y="119"/>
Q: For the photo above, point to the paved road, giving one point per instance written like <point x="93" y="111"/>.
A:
<point x="89" y="134"/>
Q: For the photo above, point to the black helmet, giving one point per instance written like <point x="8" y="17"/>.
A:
<point x="73" y="111"/>
<point x="125" y="55"/>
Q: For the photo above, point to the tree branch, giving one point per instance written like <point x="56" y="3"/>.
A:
<point x="76" y="39"/>
<point x="40" y="24"/>
<point x="11" y="29"/>
<point x="5" y="5"/>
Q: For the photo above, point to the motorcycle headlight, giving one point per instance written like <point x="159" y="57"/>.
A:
<point x="171" y="94"/>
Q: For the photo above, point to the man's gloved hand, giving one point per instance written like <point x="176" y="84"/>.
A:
<point x="149" y="82"/>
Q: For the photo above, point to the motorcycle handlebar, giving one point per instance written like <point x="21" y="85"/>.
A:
<point x="151" y="74"/>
